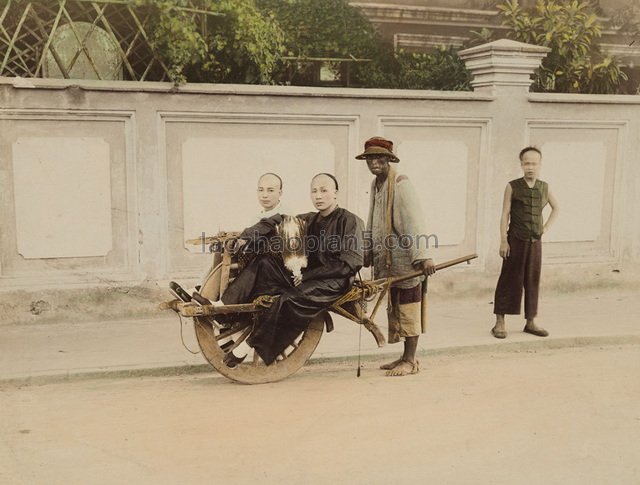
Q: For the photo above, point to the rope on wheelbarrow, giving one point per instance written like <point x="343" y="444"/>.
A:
<point x="182" y="338"/>
<point x="361" y="290"/>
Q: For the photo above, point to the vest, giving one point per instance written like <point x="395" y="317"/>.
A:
<point x="525" y="220"/>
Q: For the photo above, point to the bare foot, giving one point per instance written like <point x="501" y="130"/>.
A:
<point x="404" y="368"/>
<point x="391" y="365"/>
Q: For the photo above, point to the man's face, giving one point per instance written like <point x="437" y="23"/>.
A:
<point x="323" y="192"/>
<point x="378" y="164"/>
<point x="530" y="164"/>
<point x="269" y="191"/>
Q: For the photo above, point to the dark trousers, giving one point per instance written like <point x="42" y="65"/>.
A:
<point x="290" y="315"/>
<point x="521" y="270"/>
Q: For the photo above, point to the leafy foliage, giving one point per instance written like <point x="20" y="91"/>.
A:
<point x="570" y="29"/>
<point x="441" y="69"/>
<point x="327" y="29"/>
<point x="330" y="28"/>
<point x="335" y="29"/>
<point x="237" y="43"/>
<point x="264" y="41"/>
<point x="627" y="18"/>
<point x="175" y="36"/>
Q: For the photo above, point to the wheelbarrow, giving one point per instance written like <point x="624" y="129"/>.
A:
<point x="215" y="325"/>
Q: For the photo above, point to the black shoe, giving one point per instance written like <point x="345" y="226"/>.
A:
<point x="177" y="291"/>
<point x="498" y="333"/>
<point x="231" y="360"/>
<point x="537" y="331"/>
<point x="198" y="298"/>
<point x="225" y="346"/>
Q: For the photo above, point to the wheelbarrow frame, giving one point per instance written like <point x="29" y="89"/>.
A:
<point x="351" y="305"/>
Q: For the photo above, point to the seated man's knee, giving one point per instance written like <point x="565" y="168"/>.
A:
<point x="264" y="261"/>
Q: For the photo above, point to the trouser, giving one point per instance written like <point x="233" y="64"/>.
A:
<point x="403" y="313"/>
<point x="280" y="324"/>
<point x="520" y="271"/>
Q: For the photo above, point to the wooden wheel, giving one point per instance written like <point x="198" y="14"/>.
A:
<point x="209" y="334"/>
<point x="253" y="370"/>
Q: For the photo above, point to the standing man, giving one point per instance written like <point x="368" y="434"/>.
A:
<point x="521" y="245"/>
<point x="395" y="217"/>
<point x="269" y="194"/>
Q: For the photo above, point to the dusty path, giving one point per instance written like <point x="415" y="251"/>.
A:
<point x="563" y="416"/>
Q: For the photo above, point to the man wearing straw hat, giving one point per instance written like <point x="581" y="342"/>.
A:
<point x="395" y="224"/>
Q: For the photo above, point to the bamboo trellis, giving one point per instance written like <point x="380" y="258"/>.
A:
<point x="28" y="31"/>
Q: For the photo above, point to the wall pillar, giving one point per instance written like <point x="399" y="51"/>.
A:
<point x="503" y="64"/>
<point x="503" y="70"/>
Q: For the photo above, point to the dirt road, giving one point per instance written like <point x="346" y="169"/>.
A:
<point x="563" y="416"/>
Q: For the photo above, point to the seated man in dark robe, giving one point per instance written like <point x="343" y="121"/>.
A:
<point x="334" y="250"/>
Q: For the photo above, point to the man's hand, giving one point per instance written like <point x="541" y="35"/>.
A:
<point x="237" y="246"/>
<point x="297" y="278"/>
<point x="505" y="250"/>
<point x="428" y="267"/>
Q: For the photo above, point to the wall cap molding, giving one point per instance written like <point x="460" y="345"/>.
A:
<point x="240" y="89"/>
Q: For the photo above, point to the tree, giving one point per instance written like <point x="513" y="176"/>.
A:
<point x="627" y="19"/>
<point x="440" y="69"/>
<point x="273" y="41"/>
<point x="333" y="29"/>
<point x="327" y="29"/>
<point x="215" y="40"/>
<point x="570" y="29"/>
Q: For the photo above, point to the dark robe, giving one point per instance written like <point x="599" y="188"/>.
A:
<point x="334" y="250"/>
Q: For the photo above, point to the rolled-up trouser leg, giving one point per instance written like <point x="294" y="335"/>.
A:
<point x="403" y="313"/>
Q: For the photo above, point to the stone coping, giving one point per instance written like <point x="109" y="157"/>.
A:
<point x="241" y="89"/>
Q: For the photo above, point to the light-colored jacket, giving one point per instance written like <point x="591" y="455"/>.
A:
<point x="411" y="237"/>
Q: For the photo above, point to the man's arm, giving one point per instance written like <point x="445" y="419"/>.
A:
<point x="259" y="230"/>
<point x="553" y="215"/>
<point x="505" y="250"/>
<point x="333" y="269"/>
<point x="411" y="223"/>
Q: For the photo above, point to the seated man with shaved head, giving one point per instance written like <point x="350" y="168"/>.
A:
<point x="269" y="195"/>
<point x="334" y="254"/>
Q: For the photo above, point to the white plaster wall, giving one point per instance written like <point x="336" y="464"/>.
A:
<point x="62" y="190"/>
<point x="440" y="170"/>
<point x="581" y="163"/>
<point x="220" y="177"/>
<point x="118" y="175"/>
<point x="575" y="172"/>
<point x="68" y="197"/>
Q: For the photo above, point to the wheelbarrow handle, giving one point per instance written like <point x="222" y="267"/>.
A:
<point x="446" y="264"/>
